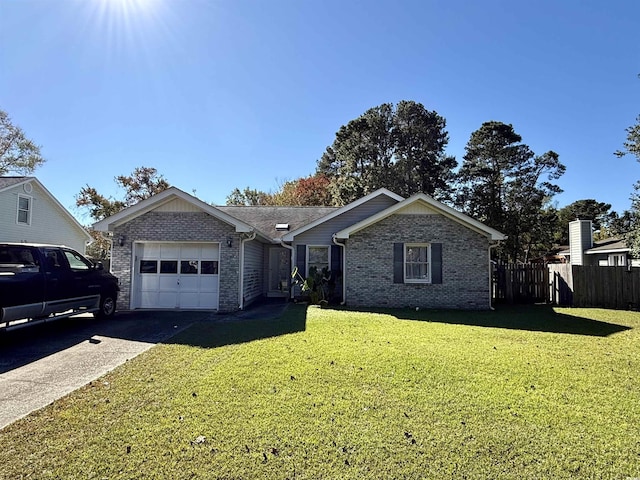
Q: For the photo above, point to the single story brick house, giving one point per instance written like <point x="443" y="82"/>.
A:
<point x="173" y="251"/>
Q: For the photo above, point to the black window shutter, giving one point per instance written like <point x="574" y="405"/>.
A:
<point x="336" y="260"/>
<point x="398" y="263"/>
<point x="301" y="260"/>
<point x="436" y="263"/>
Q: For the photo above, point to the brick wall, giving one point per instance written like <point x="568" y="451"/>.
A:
<point x="465" y="268"/>
<point x="180" y="227"/>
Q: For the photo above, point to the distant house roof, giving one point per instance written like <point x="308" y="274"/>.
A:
<point x="265" y="218"/>
<point x="6" y="182"/>
<point x="606" y="245"/>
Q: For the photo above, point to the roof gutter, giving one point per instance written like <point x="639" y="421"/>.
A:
<point x="241" y="289"/>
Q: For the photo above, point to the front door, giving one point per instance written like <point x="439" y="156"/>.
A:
<point x="279" y="272"/>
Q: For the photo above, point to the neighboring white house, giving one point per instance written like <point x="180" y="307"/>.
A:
<point x="608" y="252"/>
<point x="30" y="214"/>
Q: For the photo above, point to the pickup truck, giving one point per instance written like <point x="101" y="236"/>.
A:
<point x="44" y="282"/>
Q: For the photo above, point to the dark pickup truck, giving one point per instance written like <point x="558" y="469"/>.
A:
<point x="45" y="282"/>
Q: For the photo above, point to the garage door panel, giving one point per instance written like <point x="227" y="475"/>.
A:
<point x="167" y="300"/>
<point x="149" y="298"/>
<point x="185" y="275"/>
<point x="149" y="282"/>
<point x="170" y="251"/>
<point x="209" y="283"/>
<point x="190" y="282"/>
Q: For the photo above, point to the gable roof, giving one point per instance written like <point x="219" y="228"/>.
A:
<point x="265" y="218"/>
<point x="162" y="198"/>
<point x="422" y="199"/>
<point x="339" y="211"/>
<point x="7" y="183"/>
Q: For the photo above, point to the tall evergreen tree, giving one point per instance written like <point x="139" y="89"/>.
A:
<point x="400" y="148"/>
<point x="505" y="185"/>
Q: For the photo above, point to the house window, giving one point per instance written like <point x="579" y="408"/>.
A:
<point x="417" y="263"/>
<point x="317" y="257"/>
<point x="617" y="260"/>
<point x="24" y="210"/>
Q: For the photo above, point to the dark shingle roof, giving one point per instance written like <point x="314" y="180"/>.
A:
<point x="6" y="182"/>
<point x="265" y="218"/>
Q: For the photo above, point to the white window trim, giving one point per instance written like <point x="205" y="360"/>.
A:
<point x="328" y="247"/>
<point x="404" y="263"/>
<point x="29" y="211"/>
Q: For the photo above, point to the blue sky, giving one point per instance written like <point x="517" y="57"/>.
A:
<point x="232" y="93"/>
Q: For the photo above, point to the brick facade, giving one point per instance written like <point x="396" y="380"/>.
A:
<point x="178" y="227"/>
<point x="465" y="265"/>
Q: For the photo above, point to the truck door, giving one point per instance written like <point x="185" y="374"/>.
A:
<point x="86" y="281"/>
<point x="59" y="281"/>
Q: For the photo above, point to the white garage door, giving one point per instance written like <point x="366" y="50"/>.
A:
<point x="177" y="275"/>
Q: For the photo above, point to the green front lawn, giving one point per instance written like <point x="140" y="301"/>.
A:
<point x="528" y="392"/>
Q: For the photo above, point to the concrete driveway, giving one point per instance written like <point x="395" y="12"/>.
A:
<point x="41" y="363"/>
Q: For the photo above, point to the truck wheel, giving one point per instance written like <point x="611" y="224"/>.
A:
<point x="107" y="306"/>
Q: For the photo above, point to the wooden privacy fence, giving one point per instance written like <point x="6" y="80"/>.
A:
<point x="564" y="284"/>
<point x="608" y="287"/>
<point x="520" y="283"/>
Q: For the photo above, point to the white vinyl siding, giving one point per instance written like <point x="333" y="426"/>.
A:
<point x="48" y="222"/>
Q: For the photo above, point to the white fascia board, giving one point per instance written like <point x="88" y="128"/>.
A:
<point x="437" y="206"/>
<point x="356" y="203"/>
<point x="609" y="250"/>
<point x="144" y="206"/>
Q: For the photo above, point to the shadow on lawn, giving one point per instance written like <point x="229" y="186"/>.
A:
<point x="242" y="330"/>
<point x="535" y="318"/>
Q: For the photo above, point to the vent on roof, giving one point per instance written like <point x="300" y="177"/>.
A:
<point x="282" y="227"/>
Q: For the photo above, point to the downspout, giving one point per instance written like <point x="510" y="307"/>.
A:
<point x="242" y="242"/>
<point x="344" y="269"/>
<point x="491" y="245"/>
<point x="291" y="249"/>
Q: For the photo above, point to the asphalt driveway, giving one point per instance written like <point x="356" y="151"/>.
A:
<point x="41" y="363"/>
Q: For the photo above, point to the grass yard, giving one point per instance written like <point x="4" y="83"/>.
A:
<point x="529" y="392"/>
